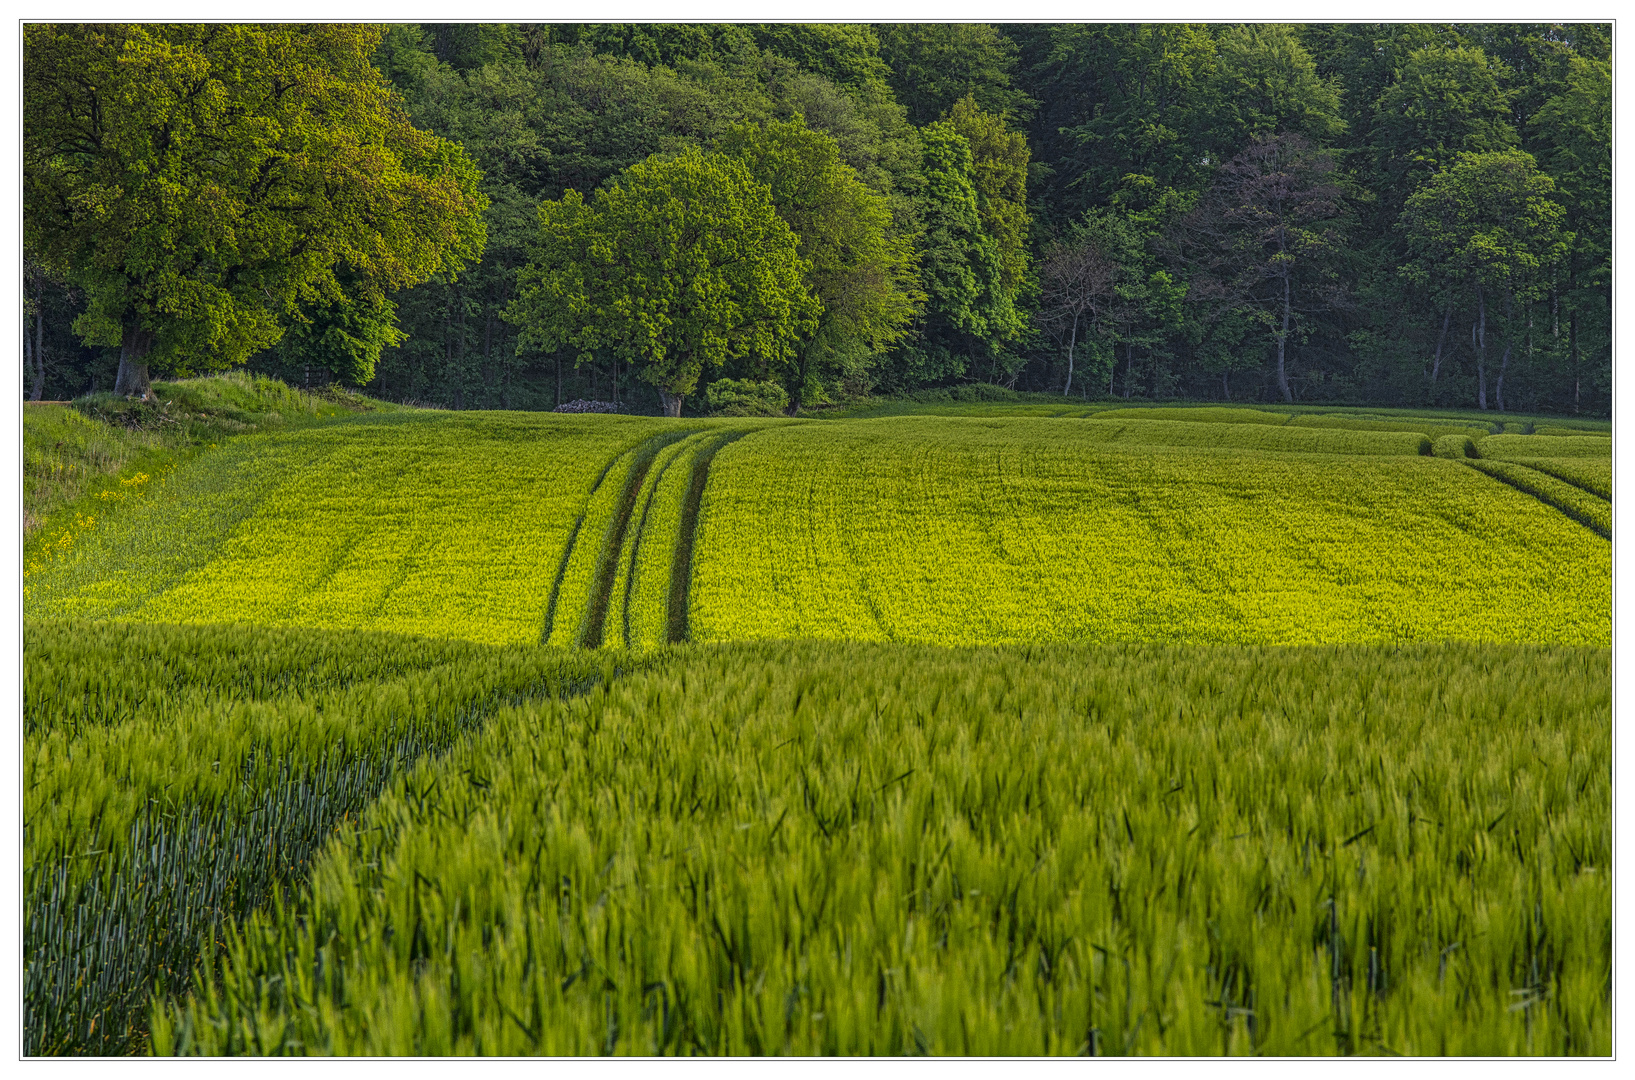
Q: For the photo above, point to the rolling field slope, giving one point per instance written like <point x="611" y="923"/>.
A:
<point x="514" y="528"/>
<point x="970" y="531"/>
<point x="855" y="849"/>
<point x="467" y="733"/>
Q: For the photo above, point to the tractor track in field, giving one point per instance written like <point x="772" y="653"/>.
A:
<point x="573" y="540"/>
<point x="1568" y="480"/>
<point x="681" y="567"/>
<point x="641" y="532"/>
<point x="607" y="563"/>
<point x="1567" y="510"/>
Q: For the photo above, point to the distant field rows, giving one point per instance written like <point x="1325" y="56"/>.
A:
<point x="1125" y="525"/>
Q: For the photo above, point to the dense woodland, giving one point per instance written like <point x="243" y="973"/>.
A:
<point x="1401" y="215"/>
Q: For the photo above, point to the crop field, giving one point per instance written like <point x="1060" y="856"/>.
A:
<point x="857" y="849"/>
<point x="971" y="531"/>
<point x="982" y="731"/>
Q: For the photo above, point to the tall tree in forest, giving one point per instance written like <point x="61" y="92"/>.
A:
<point x="1445" y="101"/>
<point x="1485" y="227"/>
<point x="1574" y="130"/>
<point x="1094" y="290"/>
<point x="200" y="182"/>
<point x="1265" y="239"/>
<point x="679" y="265"/>
<point x="934" y="65"/>
<point x="1266" y="83"/>
<point x="861" y="271"/>
<point x="999" y="173"/>
<point x="969" y="308"/>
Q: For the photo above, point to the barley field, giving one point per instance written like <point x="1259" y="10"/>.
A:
<point x="1080" y="731"/>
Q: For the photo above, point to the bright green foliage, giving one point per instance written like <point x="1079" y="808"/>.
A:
<point x="1455" y="446"/>
<point x="1485" y="222"/>
<point x="1587" y="508"/>
<point x="999" y="173"/>
<point x="1594" y="475"/>
<point x="200" y="182"/>
<point x="435" y="524"/>
<point x="975" y="531"/>
<point x="1514" y="447"/>
<point x="175" y="775"/>
<point x="746" y="397"/>
<point x="342" y="339"/>
<point x="1446" y="100"/>
<point x="962" y="266"/>
<point x="1265" y="83"/>
<point x="891" y="850"/>
<point x="680" y="265"/>
<point x="860" y="269"/>
<point x="1484" y="227"/>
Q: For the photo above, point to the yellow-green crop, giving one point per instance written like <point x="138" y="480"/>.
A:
<point x="974" y="531"/>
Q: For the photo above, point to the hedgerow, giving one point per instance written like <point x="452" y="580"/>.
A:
<point x="1455" y="446"/>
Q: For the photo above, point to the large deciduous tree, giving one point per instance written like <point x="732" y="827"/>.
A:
<point x="1484" y="227"/>
<point x="859" y="268"/>
<point x="679" y="265"/>
<point x="201" y="183"/>
<point x="1266" y="237"/>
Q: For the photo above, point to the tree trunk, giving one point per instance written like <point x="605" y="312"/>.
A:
<point x="132" y="380"/>
<point x="1478" y="335"/>
<point x="1226" y="388"/>
<point x="39" y="344"/>
<point x="1282" y="343"/>
<point x="1572" y="351"/>
<point x="672" y="402"/>
<point x="1504" y="359"/>
<point x="1129" y="368"/>
<point x="558" y="382"/>
<point x="1436" y="361"/>
<point x="1072" y="340"/>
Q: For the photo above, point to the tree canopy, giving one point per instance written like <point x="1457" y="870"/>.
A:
<point x="200" y="183"/>
<point x="986" y="148"/>
<point x="858" y="267"/>
<point x="677" y="266"/>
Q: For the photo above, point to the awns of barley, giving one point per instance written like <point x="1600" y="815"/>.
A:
<point x="155" y="825"/>
<point x="851" y="849"/>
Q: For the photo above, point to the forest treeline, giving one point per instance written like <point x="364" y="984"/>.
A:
<point x="1402" y="214"/>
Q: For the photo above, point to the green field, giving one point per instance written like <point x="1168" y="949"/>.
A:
<point x="979" y="731"/>
<point x="512" y="528"/>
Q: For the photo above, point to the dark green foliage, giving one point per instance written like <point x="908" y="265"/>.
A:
<point x="1129" y="120"/>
